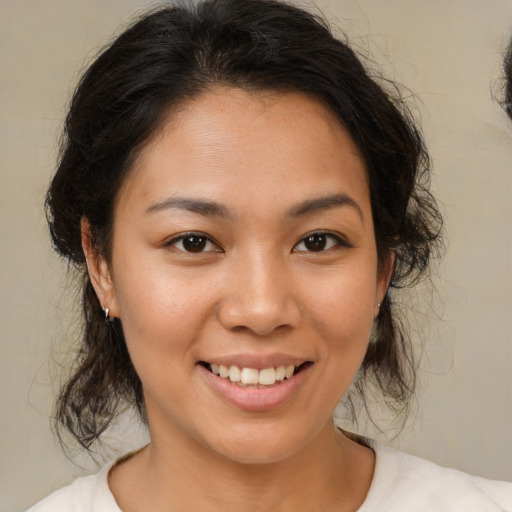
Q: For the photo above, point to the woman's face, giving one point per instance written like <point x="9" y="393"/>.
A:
<point x="243" y="243"/>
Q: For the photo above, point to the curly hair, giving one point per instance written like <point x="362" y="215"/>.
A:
<point x="507" y="69"/>
<point x="172" y="55"/>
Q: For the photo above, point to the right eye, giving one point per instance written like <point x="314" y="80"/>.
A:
<point x="194" y="243"/>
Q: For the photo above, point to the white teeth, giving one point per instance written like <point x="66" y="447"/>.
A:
<point x="249" y="376"/>
<point x="234" y="374"/>
<point x="267" y="376"/>
<point x="252" y="376"/>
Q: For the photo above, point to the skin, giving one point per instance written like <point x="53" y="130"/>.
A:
<point x="256" y="290"/>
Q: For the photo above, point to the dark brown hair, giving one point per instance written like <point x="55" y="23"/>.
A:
<point x="507" y="69"/>
<point x="174" y="54"/>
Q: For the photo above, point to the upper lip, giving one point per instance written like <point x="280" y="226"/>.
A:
<point x="257" y="361"/>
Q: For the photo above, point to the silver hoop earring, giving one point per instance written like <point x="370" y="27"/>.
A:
<point x="106" y="312"/>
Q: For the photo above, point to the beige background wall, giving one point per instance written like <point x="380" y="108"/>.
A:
<point x="446" y="51"/>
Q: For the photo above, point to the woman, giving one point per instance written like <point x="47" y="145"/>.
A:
<point x="244" y="202"/>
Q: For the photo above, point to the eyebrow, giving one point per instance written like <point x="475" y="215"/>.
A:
<point x="199" y="206"/>
<point x="324" y="203"/>
<point x="212" y="208"/>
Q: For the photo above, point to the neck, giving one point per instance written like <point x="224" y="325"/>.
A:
<point x="330" y="473"/>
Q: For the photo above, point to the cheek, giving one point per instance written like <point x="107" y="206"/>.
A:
<point x="161" y="313"/>
<point x="342" y="314"/>
<point x="343" y="302"/>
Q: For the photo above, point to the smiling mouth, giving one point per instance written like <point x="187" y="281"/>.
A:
<point x="254" y="378"/>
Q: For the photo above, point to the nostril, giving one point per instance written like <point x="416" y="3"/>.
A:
<point x="258" y="324"/>
<point x="258" y="313"/>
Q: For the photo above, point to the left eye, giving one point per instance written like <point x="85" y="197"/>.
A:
<point x="194" y="243"/>
<point x="317" y="242"/>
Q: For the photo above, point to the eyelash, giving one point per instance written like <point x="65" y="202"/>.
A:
<point x="184" y="236"/>
<point x="336" y="241"/>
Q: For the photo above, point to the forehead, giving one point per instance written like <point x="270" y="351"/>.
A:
<point x="231" y="143"/>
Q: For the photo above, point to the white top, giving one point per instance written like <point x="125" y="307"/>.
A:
<point x="401" y="483"/>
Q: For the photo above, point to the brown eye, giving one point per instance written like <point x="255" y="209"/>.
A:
<point x="194" y="243"/>
<point x="319" y="242"/>
<point x="315" y="242"/>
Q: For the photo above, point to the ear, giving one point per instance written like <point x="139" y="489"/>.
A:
<point x="385" y="272"/>
<point x="99" y="271"/>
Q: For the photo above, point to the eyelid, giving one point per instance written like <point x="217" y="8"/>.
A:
<point x="181" y="236"/>
<point x="341" y="241"/>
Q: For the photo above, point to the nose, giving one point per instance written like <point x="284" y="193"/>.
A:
<point x="261" y="297"/>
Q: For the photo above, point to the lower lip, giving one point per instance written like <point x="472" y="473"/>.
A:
<point x="255" y="399"/>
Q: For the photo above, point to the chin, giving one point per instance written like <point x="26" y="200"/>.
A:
<point x="261" y="445"/>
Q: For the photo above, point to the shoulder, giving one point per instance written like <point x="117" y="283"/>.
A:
<point x="86" y="494"/>
<point x="406" y="483"/>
